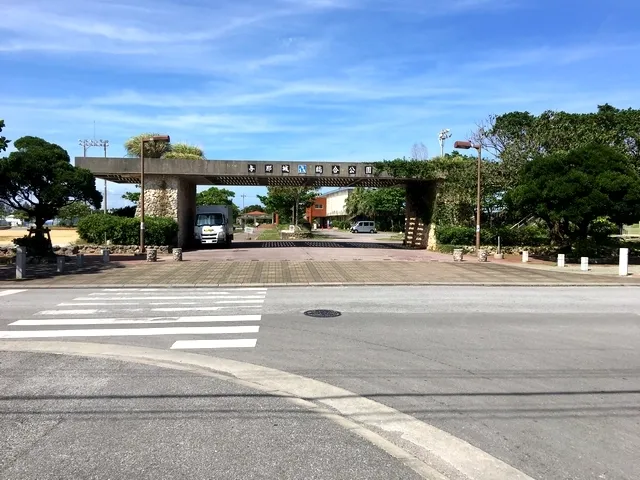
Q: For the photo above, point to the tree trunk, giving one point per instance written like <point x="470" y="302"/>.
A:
<point x="41" y="245"/>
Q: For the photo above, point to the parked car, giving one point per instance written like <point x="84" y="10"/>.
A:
<point x="364" y="226"/>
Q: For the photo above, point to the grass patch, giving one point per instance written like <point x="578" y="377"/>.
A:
<point x="270" y="234"/>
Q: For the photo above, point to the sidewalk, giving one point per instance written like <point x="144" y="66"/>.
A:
<point x="594" y="269"/>
<point x="195" y="273"/>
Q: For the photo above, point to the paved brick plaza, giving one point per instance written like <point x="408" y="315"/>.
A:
<point x="165" y="272"/>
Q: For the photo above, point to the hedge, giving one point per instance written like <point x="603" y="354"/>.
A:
<point x="126" y="231"/>
<point x="529" y="236"/>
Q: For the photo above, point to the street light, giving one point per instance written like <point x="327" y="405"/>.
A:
<point x="155" y="138"/>
<point x="467" y="145"/>
<point x="442" y="136"/>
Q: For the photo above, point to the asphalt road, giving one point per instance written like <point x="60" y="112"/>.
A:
<point x="543" y="380"/>
<point x="66" y="417"/>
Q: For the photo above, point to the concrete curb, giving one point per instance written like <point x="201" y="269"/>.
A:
<point x="19" y="284"/>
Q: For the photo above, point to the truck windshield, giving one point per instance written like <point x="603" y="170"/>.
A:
<point x="203" y="219"/>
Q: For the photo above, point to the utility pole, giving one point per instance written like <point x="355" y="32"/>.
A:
<point x="85" y="144"/>
<point x="243" y="197"/>
<point x="442" y="136"/>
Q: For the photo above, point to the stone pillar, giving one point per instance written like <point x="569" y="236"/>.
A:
<point x="482" y="255"/>
<point x="105" y="255"/>
<point x="458" y="254"/>
<point x="80" y="260"/>
<point x="152" y="255"/>
<point x="21" y="262"/>
<point x="186" y="212"/>
<point x="171" y="196"/>
<point x="420" y="201"/>
<point x="177" y="254"/>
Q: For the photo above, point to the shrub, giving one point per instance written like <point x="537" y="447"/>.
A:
<point x="342" y="224"/>
<point x="453" y="235"/>
<point x="601" y="229"/>
<point x="126" y="231"/>
<point x="529" y="236"/>
<point x="129" y="211"/>
<point x="36" y="246"/>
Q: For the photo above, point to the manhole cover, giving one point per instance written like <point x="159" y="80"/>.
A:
<point x="322" y="313"/>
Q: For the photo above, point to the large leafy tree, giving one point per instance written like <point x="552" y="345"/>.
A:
<point x="517" y="137"/>
<point x="70" y="214"/>
<point x="385" y="205"/>
<point x="4" y="143"/>
<point x="570" y="190"/>
<point x="217" y="196"/>
<point x="133" y="197"/>
<point x="253" y="208"/>
<point x="283" y="199"/>
<point x="39" y="180"/>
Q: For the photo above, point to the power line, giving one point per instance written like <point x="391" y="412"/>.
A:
<point x="86" y="144"/>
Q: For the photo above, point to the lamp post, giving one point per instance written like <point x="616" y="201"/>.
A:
<point x="155" y="138"/>
<point x="467" y="145"/>
<point x="442" y="136"/>
<point x="85" y="144"/>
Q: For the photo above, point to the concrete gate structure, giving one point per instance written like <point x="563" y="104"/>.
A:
<point x="170" y="185"/>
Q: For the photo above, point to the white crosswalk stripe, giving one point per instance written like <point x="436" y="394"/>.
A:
<point x="126" y="308"/>
<point x="5" y="293"/>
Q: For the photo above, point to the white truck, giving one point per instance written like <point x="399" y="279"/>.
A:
<point x="214" y="225"/>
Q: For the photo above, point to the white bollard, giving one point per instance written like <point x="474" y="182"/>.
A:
<point x="80" y="260"/>
<point x="21" y="263"/>
<point x="623" y="268"/>
<point x="525" y="256"/>
<point x="584" y="264"/>
<point x="105" y="255"/>
<point x="60" y="259"/>
<point x="561" y="260"/>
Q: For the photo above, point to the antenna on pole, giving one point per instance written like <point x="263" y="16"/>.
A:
<point x="442" y="136"/>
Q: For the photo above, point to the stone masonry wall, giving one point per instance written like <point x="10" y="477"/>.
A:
<point x="171" y="196"/>
<point x="160" y="196"/>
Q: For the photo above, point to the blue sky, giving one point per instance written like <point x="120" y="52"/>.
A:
<point x="305" y="79"/>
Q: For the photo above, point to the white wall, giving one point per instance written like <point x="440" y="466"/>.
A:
<point x="336" y="203"/>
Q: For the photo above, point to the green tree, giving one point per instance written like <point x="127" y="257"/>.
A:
<point x="569" y="191"/>
<point x="38" y="179"/>
<point x="360" y="203"/>
<point x="253" y="208"/>
<point x="283" y="199"/>
<point x="218" y="196"/>
<point x="4" y="143"/>
<point x="516" y="138"/>
<point x="133" y="197"/>
<point x="385" y="205"/>
<point x="70" y="214"/>
<point x="457" y="195"/>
